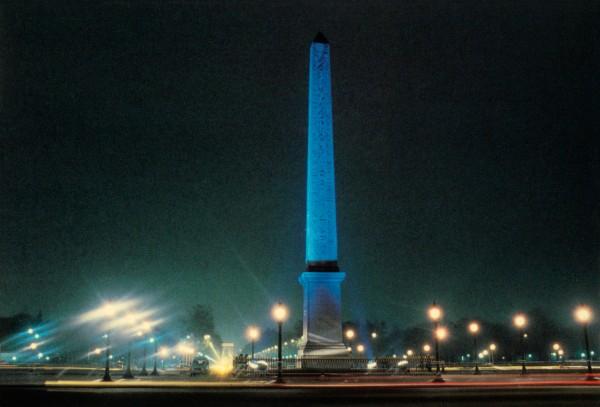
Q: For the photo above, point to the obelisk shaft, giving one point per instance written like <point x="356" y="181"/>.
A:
<point x="321" y="230"/>
<point x="322" y="328"/>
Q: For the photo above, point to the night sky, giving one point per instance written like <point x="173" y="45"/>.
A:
<point x="158" y="148"/>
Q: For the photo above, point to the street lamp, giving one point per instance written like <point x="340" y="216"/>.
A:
<point x="583" y="315"/>
<point x="435" y="315"/>
<point x="474" y="329"/>
<point x="145" y="328"/>
<point x="130" y="319"/>
<point x="350" y="335"/>
<point x="252" y="334"/>
<point x="520" y="321"/>
<point x="154" y="369"/>
<point x="555" y="348"/>
<point x="492" y="350"/>
<point x="360" y="348"/>
<point x="486" y="353"/>
<point x="441" y="334"/>
<point x="435" y="312"/>
<point x="279" y="312"/>
<point x="106" y="377"/>
<point x="108" y="310"/>
<point x="143" y="372"/>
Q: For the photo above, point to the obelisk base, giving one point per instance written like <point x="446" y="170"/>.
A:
<point x="322" y="329"/>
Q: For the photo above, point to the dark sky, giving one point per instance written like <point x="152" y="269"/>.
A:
<point x="158" y="148"/>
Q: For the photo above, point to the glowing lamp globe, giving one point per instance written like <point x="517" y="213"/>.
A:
<point x="583" y="314"/>
<point x="435" y="313"/>
<point x="473" y="327"/>
<point x="252" y="333"/>
<point x="279" y="312"/>
<point x="426" y="348"/>
<point x="493" y="347"/>
<point x="350" y="334"/>
<point x="360" y="348"/>
<point x="441" y="333"/>
<point x="556" y="346"/>
<point x="520" y="321"/>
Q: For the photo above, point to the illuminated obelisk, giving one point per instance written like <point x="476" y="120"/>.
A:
<point x="322" y="331"/>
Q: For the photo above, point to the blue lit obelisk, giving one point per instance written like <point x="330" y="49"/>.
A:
<point x="322" y="331"/>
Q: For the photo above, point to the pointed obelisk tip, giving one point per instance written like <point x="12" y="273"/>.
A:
<point x="320" y="38"/>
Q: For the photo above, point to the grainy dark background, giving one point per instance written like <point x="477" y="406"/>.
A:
<point x="158" y="148"/>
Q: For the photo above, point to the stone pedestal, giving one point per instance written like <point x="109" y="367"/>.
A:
<point x="322" y="330"/>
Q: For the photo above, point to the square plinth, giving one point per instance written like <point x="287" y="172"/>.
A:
<point x="322" y="317"/>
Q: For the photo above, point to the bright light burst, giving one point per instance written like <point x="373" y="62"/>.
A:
<point x="441" y="333"/>
<point x="583" y="314"/>
<point x="520" y="321"/>
<point x="252" y="333"/>
<point x="107" y="310"/>
<point x="222" y="366"/>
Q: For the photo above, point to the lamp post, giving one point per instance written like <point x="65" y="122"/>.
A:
<point x="154" y="369"/>
<point x="128" y="374"/>
<point x="441" y="333"/>
<point x="583" y="315"/>
<point x="143" y="372"/>
<point x="474" y="329"/>
<point x="435" y="314"/>
<point x="145" y="328"/>
<point x="130" y="319"/>
<point x="350" y="335"/>
<point x="492" y="350"/>
<point x="424" y="358"/>
<point x="279" y="313"/>
<point x="373" y="339"/>
<point x="555" y="348"/>
<point x="561" y="353"/>
<point x="252" y="334"/>
<point x="520" y="321"/>
<point x="107" y="312"/>
<point x="106" y="377"/>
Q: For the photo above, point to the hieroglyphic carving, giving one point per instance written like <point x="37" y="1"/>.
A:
<point x="321" y="230"/>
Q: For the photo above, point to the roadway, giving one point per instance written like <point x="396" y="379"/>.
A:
<point x="83" y="387"/>
<point x="564" y="396"/>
